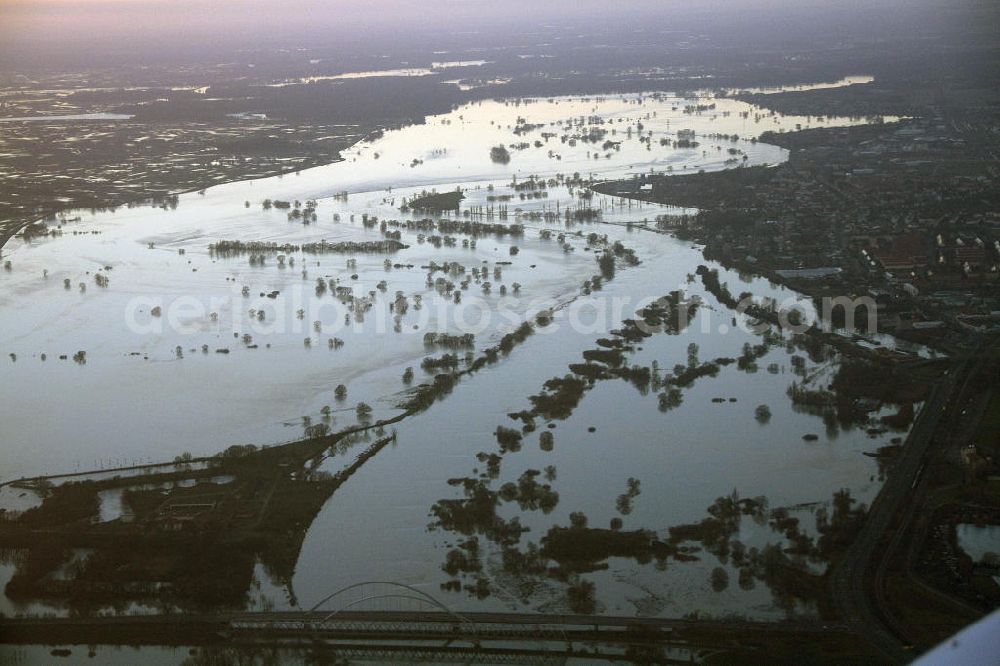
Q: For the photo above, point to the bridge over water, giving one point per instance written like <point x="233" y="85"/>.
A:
<point x="398" y="622"/>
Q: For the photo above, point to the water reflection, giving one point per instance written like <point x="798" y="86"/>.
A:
<point x="489" y="529"/>
<point x="598" y="453"/>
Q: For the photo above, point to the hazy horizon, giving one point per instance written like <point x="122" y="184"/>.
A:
<point x="37" y="31"/>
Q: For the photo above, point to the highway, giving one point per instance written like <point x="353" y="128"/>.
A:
<point x="399" y="626"/>
<point x="857" y="595"/>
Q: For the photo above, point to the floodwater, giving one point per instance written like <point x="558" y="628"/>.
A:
<point x="840" y="83"/>
<point x="145" y="391"/>
<point x="65" y="118"/>
<point x="978" y="540"/>
<point x="381" y="73"/>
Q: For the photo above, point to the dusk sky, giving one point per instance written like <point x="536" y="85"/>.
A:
<point x="59" y="19"/>
<point x="36" y="31"/>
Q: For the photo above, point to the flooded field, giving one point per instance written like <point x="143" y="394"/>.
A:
<point x="79" y="116"/>
<point x="980" y="542"/>
<point x="846" y="81"/>
<point x="235" y="316"/>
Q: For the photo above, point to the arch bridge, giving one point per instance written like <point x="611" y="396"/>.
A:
<point x="386" y="609"/>
<point x="381" y="596"/>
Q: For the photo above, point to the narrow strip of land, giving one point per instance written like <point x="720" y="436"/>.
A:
<point x="855" y="592"/>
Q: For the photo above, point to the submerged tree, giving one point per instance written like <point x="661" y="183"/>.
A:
<point x="500" y="154"/>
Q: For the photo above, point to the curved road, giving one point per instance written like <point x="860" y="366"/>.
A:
<point x="852" y="592"/>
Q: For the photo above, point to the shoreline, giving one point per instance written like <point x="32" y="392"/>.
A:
<point x="11" y="227"/>
<point x="603" y="187"/>
<point x="16" y="226"/>
<point x="695" y="93"/>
